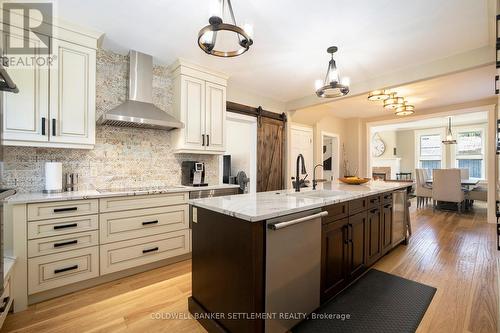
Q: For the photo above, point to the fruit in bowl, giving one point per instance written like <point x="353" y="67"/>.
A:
<point x="354" y="180"/>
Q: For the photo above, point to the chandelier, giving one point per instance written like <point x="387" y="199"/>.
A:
<point x="207" y="37"/>
<point x="449" y="135"/>
<point x="331" y="87"/>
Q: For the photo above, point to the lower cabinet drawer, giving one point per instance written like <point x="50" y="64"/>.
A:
<point x="57" y="244"/>
<point x="63" y="226"/>
<point x="136" y="252"/>
<point x="120" y="226"/>
<point x="60" y="269"/>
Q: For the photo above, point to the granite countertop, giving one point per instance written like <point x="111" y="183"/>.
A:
<point x="22" y="198"/>
<point x="261" y="206"/>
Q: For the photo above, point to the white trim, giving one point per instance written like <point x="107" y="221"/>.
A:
<point x="301" y="127"/>
<point x="484" y="152"/>
<point x="253" y="150"/>
<point x="441" y="131"/>
<point x="336" y="165"/>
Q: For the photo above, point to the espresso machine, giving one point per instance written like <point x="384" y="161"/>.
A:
<point x="193" y="173"/>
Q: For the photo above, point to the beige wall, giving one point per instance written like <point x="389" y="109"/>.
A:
<point x="405" y="145"/>
<point x="346" y="130"/>
<point x="243" y="96"/>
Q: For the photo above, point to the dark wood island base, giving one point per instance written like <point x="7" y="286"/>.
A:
<point x="229" y="259"/>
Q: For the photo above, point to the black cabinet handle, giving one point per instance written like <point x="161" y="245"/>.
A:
<point x="66" y="243"/>
<point x="388" y="206"/>
<point x="66" y="209"/>
<point x="150" y="250"/>
<point x="150" y="222"/>
<point x="64" y="226"/>
<point x="44" y="121"/>
<point x="203" y="139"/>
<point x="208" y="140"/>
<point x="70" y="268"/>
<point x="53" y="127"/>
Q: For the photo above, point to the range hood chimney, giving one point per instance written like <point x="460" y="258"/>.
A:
<point x="138" y="110"/>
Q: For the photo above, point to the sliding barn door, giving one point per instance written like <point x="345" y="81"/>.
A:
<point x="270" y="157"/>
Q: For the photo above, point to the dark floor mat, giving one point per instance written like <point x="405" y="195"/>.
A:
<point x="377" y="302"/>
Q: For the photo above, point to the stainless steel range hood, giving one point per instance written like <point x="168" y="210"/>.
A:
<point x="138" y="110"/>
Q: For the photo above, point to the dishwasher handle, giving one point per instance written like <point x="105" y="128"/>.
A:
<point x="282" y="225"/>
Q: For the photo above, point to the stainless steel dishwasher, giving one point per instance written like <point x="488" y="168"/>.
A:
<point x="293" y="268"/>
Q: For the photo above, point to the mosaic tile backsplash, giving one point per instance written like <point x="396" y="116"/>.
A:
<point x="122" y="157"/>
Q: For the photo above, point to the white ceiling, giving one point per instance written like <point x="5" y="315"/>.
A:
<point x="457" y="120"/>
<point x="374" y="37"/>
<point x="451" y="89"/>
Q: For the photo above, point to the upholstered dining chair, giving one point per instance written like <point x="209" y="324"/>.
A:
<point x="423" y="191"/>
<point x="464" y="173"/>
<point x="446" y="186"/>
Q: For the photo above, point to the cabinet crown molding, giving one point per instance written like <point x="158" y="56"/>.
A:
<point x="185" y="67"/>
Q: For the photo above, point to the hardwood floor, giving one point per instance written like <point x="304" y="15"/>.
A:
<point x="455" y="254"/>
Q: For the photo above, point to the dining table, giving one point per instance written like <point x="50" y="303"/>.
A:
<point x="465" y="182"/>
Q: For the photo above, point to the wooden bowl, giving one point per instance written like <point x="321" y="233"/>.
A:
<point x="354" y="181"/>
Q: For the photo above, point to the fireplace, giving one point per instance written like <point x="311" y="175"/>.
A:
<point x="381" y="173"/>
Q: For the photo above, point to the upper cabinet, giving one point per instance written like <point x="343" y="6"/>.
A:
<point x="55" y="106"/>
<point x="200" y="103"/>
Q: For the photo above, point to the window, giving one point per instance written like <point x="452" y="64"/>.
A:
<point x="430" y="150"/>
<point x="469" y="151"/>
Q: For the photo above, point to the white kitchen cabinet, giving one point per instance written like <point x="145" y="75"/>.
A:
<point x="215" y="116"/>
<point x="25" y="114"/>
<point x="72" y="94"/>
<point x="200" y="103"/>
<point x="55" y="106"/>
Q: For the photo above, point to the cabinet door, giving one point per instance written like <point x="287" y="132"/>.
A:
<point x="215" y="117"/>
<point x="357" y="244"/>
<point x="386" y="234"/>
<point x="72" y="94"/>
<point x="25" y="112"/>
<point x="373" y="240"/>
<point x="334" y="257"/>
<point x="193" y="113"/>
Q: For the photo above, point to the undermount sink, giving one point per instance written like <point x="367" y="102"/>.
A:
<point x="318" y="194"/>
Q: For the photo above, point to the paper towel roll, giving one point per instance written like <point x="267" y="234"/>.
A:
<point x="53" y="177"/>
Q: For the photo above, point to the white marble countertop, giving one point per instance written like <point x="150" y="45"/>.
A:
<point x="23" y="198"/>
<point x="261" y="206"/>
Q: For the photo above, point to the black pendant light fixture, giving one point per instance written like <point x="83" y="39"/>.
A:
<point x="332" y="87"/>
<point x="207" y="37"/>
<point x="449" y="135"/>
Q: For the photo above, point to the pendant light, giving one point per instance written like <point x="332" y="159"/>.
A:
<point x="331" y="87"/>
<point x="449" y="135"/>
<point x="378" y="95"/>
<point x="405" y="110"/>
<point x="207" y="37"/>
<point x="393" y="102"/>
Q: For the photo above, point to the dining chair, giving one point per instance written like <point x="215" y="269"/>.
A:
<point x="464" y="173"/>
<point x="479" y="193"/>
<point x="446" y="186"/>
<point x="423" y="191"/>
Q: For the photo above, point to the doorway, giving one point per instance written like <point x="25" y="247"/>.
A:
<point x="242" y="146"/>
<point x="301" y="142"/>
<point x="330" y="156"/>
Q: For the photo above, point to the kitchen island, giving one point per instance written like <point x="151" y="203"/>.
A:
<point x="262" y="262"/>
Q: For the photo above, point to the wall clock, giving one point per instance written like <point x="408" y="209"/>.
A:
<point x="378" y="145"/>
